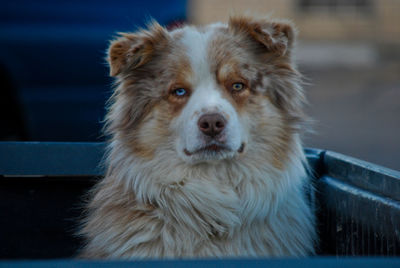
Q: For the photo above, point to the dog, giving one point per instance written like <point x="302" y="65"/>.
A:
<point x="205" y="156"/>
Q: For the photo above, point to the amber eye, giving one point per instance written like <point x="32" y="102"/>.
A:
<point x="237" y="87"/>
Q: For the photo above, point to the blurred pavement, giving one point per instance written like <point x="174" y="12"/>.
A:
<point x="355" y="102"/>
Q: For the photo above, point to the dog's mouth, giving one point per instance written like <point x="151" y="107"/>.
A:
<point x="213" y="149"/>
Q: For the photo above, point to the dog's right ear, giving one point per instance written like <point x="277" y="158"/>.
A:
<point x="277" y="37"/>
<point x="132" y="50"/>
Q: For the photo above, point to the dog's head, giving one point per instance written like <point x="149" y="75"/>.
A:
<point x="206" y="94"/>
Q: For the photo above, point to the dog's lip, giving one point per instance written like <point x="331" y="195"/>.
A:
<point x="208" y="148"/>
<point x="213" y="148"/>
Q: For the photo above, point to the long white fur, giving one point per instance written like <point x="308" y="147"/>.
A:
<point x="261" y="211"/>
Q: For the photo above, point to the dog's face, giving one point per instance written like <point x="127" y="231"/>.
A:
<point x="205" y="94"/>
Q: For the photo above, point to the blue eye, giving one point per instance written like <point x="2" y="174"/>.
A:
<point x="180" y="92"/>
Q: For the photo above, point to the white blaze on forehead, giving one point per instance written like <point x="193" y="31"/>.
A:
<point x="206" y="96"/>
<point x="197" y="44"/>
<point x="207" y="99"/>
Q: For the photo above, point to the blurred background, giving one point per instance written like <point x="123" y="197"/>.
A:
<point x="54" y="81"/>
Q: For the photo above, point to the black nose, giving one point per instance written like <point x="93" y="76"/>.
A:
<point x="211" y="124"/>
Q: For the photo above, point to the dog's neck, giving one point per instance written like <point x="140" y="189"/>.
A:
<point x="243" y="188"/>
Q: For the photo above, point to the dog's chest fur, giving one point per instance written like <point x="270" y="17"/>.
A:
<point x="228" y="211"/>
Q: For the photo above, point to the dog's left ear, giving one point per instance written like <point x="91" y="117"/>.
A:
<point x="276" y="37"/>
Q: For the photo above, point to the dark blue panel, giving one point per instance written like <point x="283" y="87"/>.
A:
<point x="269" y="263"/>
<point x="59" y="47"/>
<point x="67" y="158"/>
<point x="49" y="158"/>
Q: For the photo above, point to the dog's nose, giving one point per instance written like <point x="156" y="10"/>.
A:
<point x="211" y="124"/>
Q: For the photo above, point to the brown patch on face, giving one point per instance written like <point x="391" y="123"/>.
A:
<point x="235" y="60"/>
<point x="153" y="128"/>
<point x="240" y="97"/>
<point x="180" y="81"/>
<point x="177" y="102"/>
<point x="152" y="132"/>
<point x="228" y="76"/>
